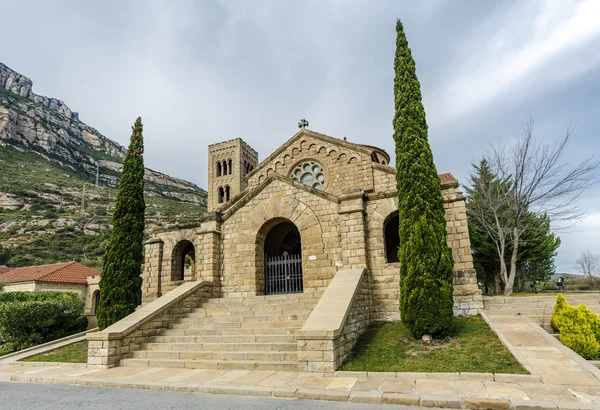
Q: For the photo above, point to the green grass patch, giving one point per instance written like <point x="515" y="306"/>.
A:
<point x="471" y="347"/>
<point x="73" y="353"/>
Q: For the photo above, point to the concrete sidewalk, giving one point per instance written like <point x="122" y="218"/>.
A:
<point x="559" y="380"/>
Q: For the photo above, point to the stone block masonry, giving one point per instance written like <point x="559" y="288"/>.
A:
<point x="119" y="341"/>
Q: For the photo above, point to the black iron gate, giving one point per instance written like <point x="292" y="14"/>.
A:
<point x="283" y="274"/>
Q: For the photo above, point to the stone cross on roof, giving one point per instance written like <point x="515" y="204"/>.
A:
<point x="302" y="123"/>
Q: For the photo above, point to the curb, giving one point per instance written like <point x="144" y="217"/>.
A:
<point x="366" y="397"/>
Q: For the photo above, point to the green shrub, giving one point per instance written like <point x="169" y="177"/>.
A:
<point x="30" y="318"/>
<point x="579" y="328"/>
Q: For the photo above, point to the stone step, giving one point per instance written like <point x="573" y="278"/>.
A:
<point x="221" y="347"/>
<point x="291" y="366"/>
<point x="216" y="355"/>
<point x="290" y="302"/>
<point x="224" y="339"/>
<point x="228" y="332"/>
<point x="197" y="318"/>
<point x="238" y="325"/>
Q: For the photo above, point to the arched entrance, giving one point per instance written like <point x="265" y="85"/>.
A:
<point x="282" y="252"/>
<point x="183" y="261"/>
<point x="96" y="301"/>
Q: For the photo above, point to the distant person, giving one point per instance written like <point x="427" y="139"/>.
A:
<point x="532" y="286"/>
<point x="561" y="284"/>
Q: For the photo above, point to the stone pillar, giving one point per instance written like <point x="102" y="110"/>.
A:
<point x="352" y="229"/>
<point x="208" y="253"/>
<point x="467" y="295"/>
<point x="151" y="277"/>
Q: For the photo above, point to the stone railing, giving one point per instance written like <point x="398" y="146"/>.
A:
<point x="340" y="316"/>
<point x="118" y="341"/>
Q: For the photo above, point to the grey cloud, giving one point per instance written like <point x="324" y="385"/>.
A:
<point x="203" y="71"/>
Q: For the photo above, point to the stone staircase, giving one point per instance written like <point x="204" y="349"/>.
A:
<point x="251" y="333"/>
<point x="538" y="308"/>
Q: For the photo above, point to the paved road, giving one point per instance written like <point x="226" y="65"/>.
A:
<point x="25" y="396"/>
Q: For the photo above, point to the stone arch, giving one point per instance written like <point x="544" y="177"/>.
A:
<point x="219" y="169"/>
<point x="279" y="240"/>
<point x="353" y="160"/>
<point x="379" y="215"/>
<point x="95" y="301"/>
<point x="183" y="261"/>
<point x="391" y="238"/>
<point x="269" y="214"/>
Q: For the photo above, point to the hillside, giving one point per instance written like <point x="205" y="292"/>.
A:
<point x="50" y="207"/>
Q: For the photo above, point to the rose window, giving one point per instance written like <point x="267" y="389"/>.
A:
<point x="310" y="174"/>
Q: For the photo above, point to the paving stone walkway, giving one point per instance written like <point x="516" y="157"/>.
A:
<point x="559" y="379"/>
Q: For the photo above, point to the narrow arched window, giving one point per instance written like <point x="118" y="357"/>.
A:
<point x="392" y="238"/>
<point x="227" y="193"/>
<point x="224" y="167"/>
<point x="219" y="169"/>
<point x="230" y="167"/>
<point x="221" y="194"/>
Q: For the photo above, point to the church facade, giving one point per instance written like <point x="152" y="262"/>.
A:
<point x="315" y="206"/>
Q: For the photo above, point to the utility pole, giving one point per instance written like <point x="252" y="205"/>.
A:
<point x="83" y="200"/>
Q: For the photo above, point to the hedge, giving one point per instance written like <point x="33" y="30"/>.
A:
<point x="579" y="328"/>
<point x="31" y="318"/>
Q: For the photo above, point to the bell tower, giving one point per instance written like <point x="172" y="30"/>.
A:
<point x="229" y="163"/>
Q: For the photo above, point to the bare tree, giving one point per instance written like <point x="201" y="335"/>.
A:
<point x="532" y="176"/>
<point x="589" y="264"/>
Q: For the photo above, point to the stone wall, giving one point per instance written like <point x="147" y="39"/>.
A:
<point x="467" y="295"/>
<point x="340" y="317"/>
<point x="245" y="224"/>
<point x="119" y="341"/>
<point x="345" y="165"/>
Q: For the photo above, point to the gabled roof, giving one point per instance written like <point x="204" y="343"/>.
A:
<point x="66" y="272"/>
<point x="326" y="138"/>
<point x="4" y="269"/>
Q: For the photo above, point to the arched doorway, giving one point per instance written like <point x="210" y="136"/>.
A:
<point x="96" y="299"/>
<point x="282" y="250"/>
<point x="391" y="237"/>
<point x="183" y="261"/>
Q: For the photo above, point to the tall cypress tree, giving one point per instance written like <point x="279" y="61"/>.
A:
<point x="426" y="265"/>
<point x="121" y="282"/>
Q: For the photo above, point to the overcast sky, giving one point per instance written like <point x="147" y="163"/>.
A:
<point x="199" y="72"/>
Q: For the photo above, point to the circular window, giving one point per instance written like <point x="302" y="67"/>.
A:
<point x="310" y="174"/>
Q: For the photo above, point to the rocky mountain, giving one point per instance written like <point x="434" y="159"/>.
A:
<point x="50" y="162"/>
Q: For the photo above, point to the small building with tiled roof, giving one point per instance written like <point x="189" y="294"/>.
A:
<point x="57" y="277"/>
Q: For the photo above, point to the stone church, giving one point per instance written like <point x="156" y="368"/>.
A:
<point x="310" y="232"/>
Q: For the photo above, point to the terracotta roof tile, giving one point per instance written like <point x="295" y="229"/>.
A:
<point x="66" y="272"/>
<point x="447" y="177"/>
<point x="4" y="269"/>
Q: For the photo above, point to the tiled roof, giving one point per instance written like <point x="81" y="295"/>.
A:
<point x="66" y="272"/>
<point x="4" y="269"/>
<point x="447" y="177"/>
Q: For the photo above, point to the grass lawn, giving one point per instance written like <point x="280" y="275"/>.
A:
<point x="471" y="347"/>
<point x="73" y="353"/>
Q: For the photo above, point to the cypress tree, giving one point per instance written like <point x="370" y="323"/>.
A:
<point x="426" y="265"/>
<point x="120" y="283"/>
